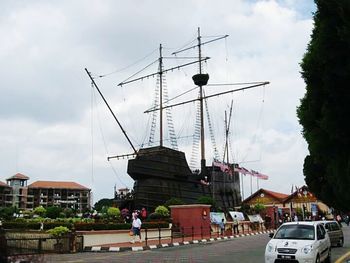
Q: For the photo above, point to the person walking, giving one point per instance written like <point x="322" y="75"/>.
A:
<point x="222" y="227"/>
<point x="136" y="228"/>
<point x="235" y="225"/>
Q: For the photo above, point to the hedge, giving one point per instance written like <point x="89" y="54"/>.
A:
<point x="33" y="225"/>
<point x="117" y="226"/>
<point x="81" y="226"/>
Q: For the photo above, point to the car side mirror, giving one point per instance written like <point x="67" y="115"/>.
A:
<point x="271" y="235"/>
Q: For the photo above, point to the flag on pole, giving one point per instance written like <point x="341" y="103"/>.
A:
<point x="259" y="175"/>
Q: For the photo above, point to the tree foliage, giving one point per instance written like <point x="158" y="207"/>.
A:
<point x="7" y="212"/>
<point x="207" y="200"/>
<point x="324" y="111"/>
<point x="53" y="212"/>
<point x="113" y="212"/>
<point x="173" y="201"/>
<point x="40" y="211"/>
<point x="162" y="210"/>
<point x="103" y="203"/>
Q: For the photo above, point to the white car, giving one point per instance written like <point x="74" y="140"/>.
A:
<point x="299" y="242"/>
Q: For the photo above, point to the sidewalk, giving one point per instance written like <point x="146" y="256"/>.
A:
<point x="166" y="242"/>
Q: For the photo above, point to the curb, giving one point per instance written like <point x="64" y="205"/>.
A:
<point x="175" y="244"/>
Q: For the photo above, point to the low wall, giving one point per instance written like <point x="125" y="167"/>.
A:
<point x="34" y="240"/>
<point x="103" y="237"/>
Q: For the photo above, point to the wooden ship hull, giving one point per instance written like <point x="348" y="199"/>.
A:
<point x="162" y="173"/>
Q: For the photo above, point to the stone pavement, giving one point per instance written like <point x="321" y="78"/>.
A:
<point x="162" y="243"/>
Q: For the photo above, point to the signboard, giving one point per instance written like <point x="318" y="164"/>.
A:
<point x="216" y="217"/>
<point x="255" y="218"/>
<point x="314" y="209"/>
<point x="239" y="215"/>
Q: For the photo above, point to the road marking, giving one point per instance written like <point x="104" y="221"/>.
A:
<point x="342" y="258"/>
<point x="96" y="249"/>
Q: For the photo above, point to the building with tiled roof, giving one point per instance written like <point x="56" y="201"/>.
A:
<point x="3" y="184"/>
<point x="18" y="176"/>
<point x="58" y="185"/>
<point x="4" y="191"/>
<point x="56" y="193"/>
<point x="265" y="197"/>
<point x="43" y="193"/>
<point x="278" y="206"/>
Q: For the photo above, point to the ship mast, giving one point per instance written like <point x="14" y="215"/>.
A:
<point x="200" y="84"/>
<point x="160" y="96"/>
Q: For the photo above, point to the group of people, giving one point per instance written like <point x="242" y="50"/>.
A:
<point x="235" y="224"/>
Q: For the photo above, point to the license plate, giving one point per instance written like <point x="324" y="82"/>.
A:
<point x="286" y="257"/>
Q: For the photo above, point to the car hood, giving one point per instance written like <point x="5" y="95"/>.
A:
<point x="290" y="243"/>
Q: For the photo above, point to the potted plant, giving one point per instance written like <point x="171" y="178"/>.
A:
<point x="58" y="232"/>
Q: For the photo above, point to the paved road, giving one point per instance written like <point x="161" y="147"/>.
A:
<point x="245" y="249"/>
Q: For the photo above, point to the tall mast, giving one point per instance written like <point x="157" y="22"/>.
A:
<point x="115" y="117"/>
<point x="227" y="130"/>
<point x="201" y="80"/>
<point x="160" y="96"/>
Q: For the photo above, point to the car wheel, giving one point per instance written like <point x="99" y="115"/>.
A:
<point x="328" y="259"/>
<point x="341" y="242"/>
<point x="318" y="259"/>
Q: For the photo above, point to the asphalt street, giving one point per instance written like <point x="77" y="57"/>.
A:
<point x="248" y="249"/>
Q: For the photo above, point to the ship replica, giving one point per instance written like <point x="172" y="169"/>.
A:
<point x="161" y="173"/>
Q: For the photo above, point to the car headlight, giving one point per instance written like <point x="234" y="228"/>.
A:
<point x="307" y="249"/>
<point x="270" y="248"/>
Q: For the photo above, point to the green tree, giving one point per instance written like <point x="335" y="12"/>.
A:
<point x="113" y="212"/>
<point x="207" y="200"/>
<point x="324" y="110"/>
<point x="162" y="210"/>
<point x="40" y="211"/>
<point x="173" y="201"/>
<point x="104" y="202"/>
<point x="259" y="207"/>
<point x="7" y="212"/>
<point x="53" y="212"/>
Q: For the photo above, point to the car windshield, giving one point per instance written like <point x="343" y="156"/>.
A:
<point x="296" y="232"/>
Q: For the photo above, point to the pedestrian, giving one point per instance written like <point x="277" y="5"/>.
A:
<point x="235" y="225"/>
<point x="222" y="227"/>
<point x="136" y="228"/>
<point x="347" y="219"/>
<point x="295" y="218"/>
<point x="338" y="218"/>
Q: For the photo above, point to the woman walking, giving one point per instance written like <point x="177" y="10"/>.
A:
<point x="136" y="228"/>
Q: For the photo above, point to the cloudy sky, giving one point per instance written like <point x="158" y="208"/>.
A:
<point x="54" y="126"/>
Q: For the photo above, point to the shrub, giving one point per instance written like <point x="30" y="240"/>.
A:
<point x="40" y="211"/>
<point x="173" y="201"/>
<point x="206" y="200"/>
<point x="259" y="208"/>
<point x="53" y="212"/>
<point x="117" y="226"/>
<point x="58" y="231"/>
<point x="162" y="210"/>
<point x="113" y="212"/>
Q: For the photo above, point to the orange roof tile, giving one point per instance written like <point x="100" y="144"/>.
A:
<point x="276" y="194"/>
<point x="18" y="176"/>
<point x="279" y="196"/>
<point x="3" y="184"/>
<point x="57" y="185"/>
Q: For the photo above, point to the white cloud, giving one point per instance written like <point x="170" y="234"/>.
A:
<point x="45" y="107"/>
